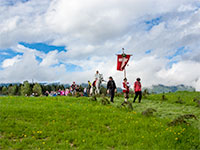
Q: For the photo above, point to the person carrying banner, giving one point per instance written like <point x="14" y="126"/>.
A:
<point x="111" y="89"/>
<point x="125" y="88"/>
<point x="138" y="90"/>
<point x="122" y="61"/>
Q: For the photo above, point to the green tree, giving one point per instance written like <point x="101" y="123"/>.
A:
<point x="19" y="89"/>
<point x="49" y="88"/>
<point x="1" y="89"/>
<point x="12" y="90"/>
<point x="4" y="90"/>
<point x="26" y="89"/>
<point x="37" y="89"/>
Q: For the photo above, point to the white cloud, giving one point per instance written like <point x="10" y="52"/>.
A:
<point x="184" y="72"/>
<point x="50" y="59"/>
<point x="93" y="31"/>
<point x="10" y="62"/>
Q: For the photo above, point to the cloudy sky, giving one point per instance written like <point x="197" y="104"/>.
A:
<point x="68" y="40"/>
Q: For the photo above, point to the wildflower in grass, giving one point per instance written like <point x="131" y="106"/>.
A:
<point x="178" y="133"/>
<point x="142" y="136"/>
<point x="25" y="135"/>
<point x="174" y="132"/>
<point x="176" y="139"/>
<point x="39" y="132"/>
<point x="66" y="141"/>
<point x="166" y="128"/>
<point x="43" y="142"/>
<point x="83" y="140"/>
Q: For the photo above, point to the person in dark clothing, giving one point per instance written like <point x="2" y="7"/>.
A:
<point x="138" y="90"/>
<point x="46" y="93"/>
<point x="73" y="87"/>
<point x="89" y="88"/>
<point x="111" y="89"/>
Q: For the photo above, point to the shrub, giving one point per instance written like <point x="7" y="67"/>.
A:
<point x="148" y="112"/>
<point x="181" y="119"/>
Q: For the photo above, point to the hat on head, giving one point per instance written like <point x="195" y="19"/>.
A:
<point x="138" y="79"/>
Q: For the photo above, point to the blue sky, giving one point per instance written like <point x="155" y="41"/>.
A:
<point x="64" y="43"/>
<point x="179" y="52"/>
<point x="43" y="47"/>
<point x="153" y="22"/>
<point x="8" y="53"/>
<point x="13" y="2"/>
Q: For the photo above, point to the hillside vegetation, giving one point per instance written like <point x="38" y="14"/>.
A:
<point x="83" y="123"/>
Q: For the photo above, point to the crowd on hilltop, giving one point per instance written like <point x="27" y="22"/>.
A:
<point x="70" y="91"/>
<point x="92" y="89"/>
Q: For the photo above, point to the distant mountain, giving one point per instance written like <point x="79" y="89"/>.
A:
<point x="7" y="84"/>
<point x="166" y="89"/>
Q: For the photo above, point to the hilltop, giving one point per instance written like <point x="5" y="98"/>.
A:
<point x="83" y="123"/>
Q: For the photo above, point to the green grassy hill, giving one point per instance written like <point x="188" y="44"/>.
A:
<point x="79" y="123"/>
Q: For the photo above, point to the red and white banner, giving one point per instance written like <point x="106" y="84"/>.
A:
<point x="122" y="61"/>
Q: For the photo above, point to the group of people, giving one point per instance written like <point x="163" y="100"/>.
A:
<point x="111" y="89"/>
<point x="73" y="89"/>
<point x="64" y="92"/>
<point x="94" y="88"/>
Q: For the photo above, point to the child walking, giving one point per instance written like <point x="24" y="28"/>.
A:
<point x="125" y="87"/>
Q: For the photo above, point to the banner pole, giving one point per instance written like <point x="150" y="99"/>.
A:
<point x="124" y="73"/>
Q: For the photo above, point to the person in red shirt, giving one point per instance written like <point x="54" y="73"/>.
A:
<point x="138" y="90"/>
<point x="125" y="88"/>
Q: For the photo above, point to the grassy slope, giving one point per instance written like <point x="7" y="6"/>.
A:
<point x="67" y="122"/>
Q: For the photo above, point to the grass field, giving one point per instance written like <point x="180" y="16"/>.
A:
<point x="79" y="123"/>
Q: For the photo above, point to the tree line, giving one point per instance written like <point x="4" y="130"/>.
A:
<point x="27" y="89"/>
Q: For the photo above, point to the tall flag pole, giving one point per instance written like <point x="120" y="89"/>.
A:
<point x="122" y="60"/>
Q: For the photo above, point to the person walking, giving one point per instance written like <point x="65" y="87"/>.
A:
<point x="111" y="89"/>
<point x="125" y="88"/>
<point x="138" y="90"/>
<point x="89" y="87"/>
